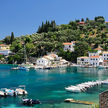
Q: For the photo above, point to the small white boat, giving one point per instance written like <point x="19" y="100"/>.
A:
<point x="2" y="93"/>
<point x="15" y="68"/>
<point x="10" y="92"/>
<point x="20" y="68"/>
<point x="21" y="90"/>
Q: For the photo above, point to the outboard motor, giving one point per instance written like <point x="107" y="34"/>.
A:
<point x="5" y="94"/>
<point x="23" y="92"/>
<point x="14" y="94"/>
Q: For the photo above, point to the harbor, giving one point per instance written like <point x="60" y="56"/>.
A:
<point x="48" y="85"/>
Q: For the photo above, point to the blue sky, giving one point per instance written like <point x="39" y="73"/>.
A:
<point x="24" y="16"/>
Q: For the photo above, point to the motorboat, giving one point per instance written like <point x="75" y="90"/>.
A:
<point x="20" y="68"/>
<point x="2" y="93"/>
<point x="15" y="68"/>
<point x="21" y="90"/>
<point x="10" y="92"/>
<point x="30" y="102"/>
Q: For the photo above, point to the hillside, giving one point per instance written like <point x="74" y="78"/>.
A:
<point x="88" y="34"/>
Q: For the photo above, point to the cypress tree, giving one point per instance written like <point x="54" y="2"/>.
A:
<point x="12" y="37"/>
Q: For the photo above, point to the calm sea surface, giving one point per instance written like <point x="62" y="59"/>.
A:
<point x="48" y="86"/>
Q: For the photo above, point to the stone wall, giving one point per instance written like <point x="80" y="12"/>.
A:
<point x="103" y="100"/>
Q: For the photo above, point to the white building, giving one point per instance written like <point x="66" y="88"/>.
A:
<point x="95" y="61"/>
<point x="69" y="46"/>
<point x="105" y="58"/>
<point x="5" y="52"/>
<point x="43" y="62"/>
<point x="105" y="55"/>
<point x="83" y="60"/>
<point x="99" y="50"/>
<point x="93" y="54"/>
<point x="96" y="52"/>
<point x="4" y="49"/>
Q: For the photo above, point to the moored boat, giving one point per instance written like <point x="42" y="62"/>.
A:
<point x="21" y="90"/>
<point x="30" y="102"/>
<point x="2" y="93"/>
<point x="10" y="92"/>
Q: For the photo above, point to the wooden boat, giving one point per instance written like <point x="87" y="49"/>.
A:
<point x="78" y="102"/>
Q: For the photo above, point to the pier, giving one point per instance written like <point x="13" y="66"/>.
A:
<point x="78" y="102"/>
<point x="85" y="86"/>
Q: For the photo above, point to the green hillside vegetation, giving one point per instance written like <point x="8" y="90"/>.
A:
<point x="50" y="36"/>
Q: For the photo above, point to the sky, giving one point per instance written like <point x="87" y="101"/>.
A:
<point x="24" y="16"/>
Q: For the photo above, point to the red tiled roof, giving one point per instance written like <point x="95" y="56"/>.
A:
<point x="81" y="23"/>
<point x="105" y="60"/>
<point x="53" y="55"/>
<point x="94" y="56"/>
<point x="67" y="43"/>
<point x="98" y="48"/>
<point x="2" y="45"/>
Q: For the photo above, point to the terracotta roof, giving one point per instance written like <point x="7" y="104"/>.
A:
<point x="81" y="23"/>
<point x="105" y="60"/>
<point x="94" y="56"/>
<point x="69" y="43"/>
<point x="3" y="45"/>
<point x="105" y="52"/>
<point x="53" y="55"/>
<point x="98" y="48"/>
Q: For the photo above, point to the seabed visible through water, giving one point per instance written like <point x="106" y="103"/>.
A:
<point x="49" y="86"/>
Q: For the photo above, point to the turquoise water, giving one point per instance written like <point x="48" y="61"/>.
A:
<point x="48" y="86"/>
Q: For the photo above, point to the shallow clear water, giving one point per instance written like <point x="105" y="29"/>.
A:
<point x="48" y="86"/>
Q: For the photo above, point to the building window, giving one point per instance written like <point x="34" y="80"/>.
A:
<point x="69" y="46"/>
